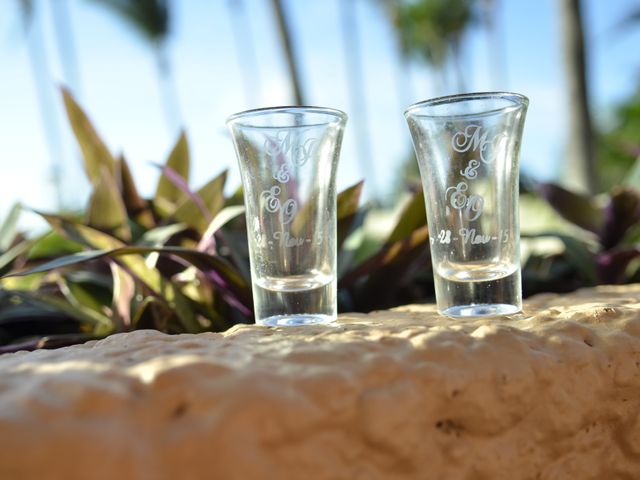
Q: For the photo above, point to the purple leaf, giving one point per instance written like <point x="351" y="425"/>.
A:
<point x="622" y="212"/>
<point x="577" y="209"/>
<point x="612" y="265"/>
<point x="175" y="178"/>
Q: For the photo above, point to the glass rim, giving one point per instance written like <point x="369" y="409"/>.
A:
<point x="517" y="101"/>
<point x="333" y="115"/>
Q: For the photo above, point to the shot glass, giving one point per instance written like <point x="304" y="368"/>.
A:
<point x="467" y="148"/>
<point x="288" y="158"/>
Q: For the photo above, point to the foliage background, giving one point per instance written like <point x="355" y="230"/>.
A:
<point x="163" y="251"/>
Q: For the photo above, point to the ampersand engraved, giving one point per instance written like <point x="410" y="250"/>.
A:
<point x="271" y="198"/>
<point x="471" y="171"/>
<point x="282" y="174"/>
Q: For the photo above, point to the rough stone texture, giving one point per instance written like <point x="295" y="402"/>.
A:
<point x="404" y="394"/>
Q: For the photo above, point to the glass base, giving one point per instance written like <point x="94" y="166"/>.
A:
<point x="296" y="320"/>
<point x="493" y="297"/>
<point x="481" y="310"/>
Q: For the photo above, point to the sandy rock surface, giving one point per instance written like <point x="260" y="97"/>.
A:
<point x="553" y="394"/>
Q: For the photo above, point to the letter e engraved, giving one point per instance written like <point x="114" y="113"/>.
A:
<point x="270" y="196"/>
<point x="458" y="199"/>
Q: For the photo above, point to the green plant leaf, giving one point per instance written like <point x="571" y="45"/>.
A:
<point x="100" y="323"/>
<point x="577" y="209"/>
<point x="397" y="262"/>
<point x="106" y="210"/>
<point x="124" y="289"/>
<point x="632" y="179"/>
<point x="347" y="211"/>
<point x="150" y="277"/>
<point x="160" y="235"/>
<point x="94" y="152"/>
<point x="8" y="227"/>
<point x="218" y="271"/>
<point x="577" y="254"/>
<point x="347" y="201"/>
<point x="168" y="195"/>
<point x="221" y="219"/>
<point x="414" y="244"/>
<point x="137" y="207"/>
<point x="14" y="252"/>
<point x="413" y="217"/>
<point x="212" y="197"/>
<point x="52" y="244"/>
<point x="81" y="297"/>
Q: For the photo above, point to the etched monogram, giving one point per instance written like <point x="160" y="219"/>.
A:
<point x="280" y="144"/>
<point x="472" y="204"/>
<point x="473" y="138"/>
<point x="272" y="204"/>
<point x="286" y="153"/>
<point x="282" y="174"/>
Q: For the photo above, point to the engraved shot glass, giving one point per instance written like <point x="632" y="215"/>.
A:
<point x="467" y="148"/>
<point x="288" y="158"/>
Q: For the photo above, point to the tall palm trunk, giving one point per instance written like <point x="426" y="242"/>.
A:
<point x="247" y="58"/>
<point x="66" y="44"/>
<point x="580" y="165"/>
<point x="168" y="88"/>
<point x="287" y="47"/>
<point x="356" y="86"/>
<point x="44" y="92"/>
<point x="495" y="43"/>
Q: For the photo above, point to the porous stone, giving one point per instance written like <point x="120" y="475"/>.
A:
<point x="553" y="394"/>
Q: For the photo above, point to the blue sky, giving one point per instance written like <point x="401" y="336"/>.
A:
<point x="117" y="84"/>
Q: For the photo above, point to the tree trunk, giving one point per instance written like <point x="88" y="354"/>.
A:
<point x="356" y="87"/>
<point x="168" y="89"/>
<point x="580" y="161"/>
<point x="246" y="52"/>
<point x="44" y="90"/>
<point x="287" y="46"/>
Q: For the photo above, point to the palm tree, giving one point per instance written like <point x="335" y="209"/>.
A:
<point x="66" y="44"/>
<point x="580" y="166"/>
<point x="288" y="48"/>
<point x="495" y="42"/>
<point x="246" y="52"/>
<point x="44" y="91"/>
<point x="432" y="31"/>
<point x="151" y="19"/>
<point x="356" y="86"/>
